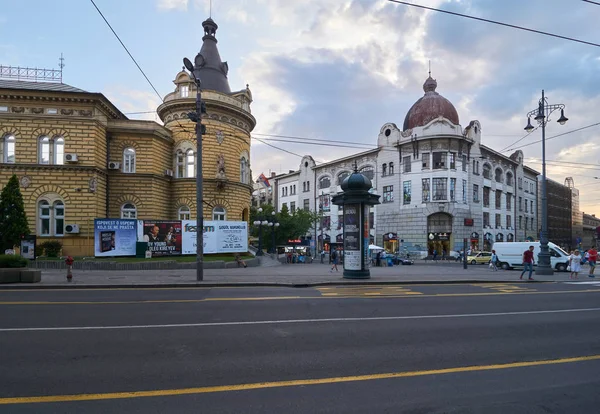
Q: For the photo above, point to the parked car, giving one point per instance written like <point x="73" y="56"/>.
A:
<point x="480" y="258"/>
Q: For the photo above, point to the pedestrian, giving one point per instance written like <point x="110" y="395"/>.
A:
<point x="494" y="261"/>
<point x="322" y="255"/>
<point x="575" y="263"/>
<point x="378" y="259"/>
<point x="239" y="261"/>
<point x="528" y="262"/>
<point x="434" y="255"/>
<point x="334" y="260"/>
<point x="592" y="259"/>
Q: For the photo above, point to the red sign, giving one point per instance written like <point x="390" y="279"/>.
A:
<point x="294" y="241"/>
<point x="469" y="222"/>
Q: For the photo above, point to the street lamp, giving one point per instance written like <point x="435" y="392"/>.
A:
<point x="197" y="118"/>
<point x="260" y="223"/>
<point x="542" y="115"/>
<point x="274" y="224"/>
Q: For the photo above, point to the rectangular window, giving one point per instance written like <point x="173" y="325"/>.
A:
<point x="440" y="189"/>
<point x="184" y="90"/>
<point x="52" y="111"/>
<point x="486" y="196"/>
<point x="306" y="204"/>
<point x="371" y="220"/>
<point x="464" y="163"/>
<point x="526" y="206"/>
<point x="425" y="160"/>
<point x="406" y="192"/>
<point x="520" y="204"/>
<point x="531" y="210"/>
<point x="520" y="222"/>
<point x="407" y="163"/>
<point x="526" y="223"/>
<point x="307" y="186"/>
<point x="340" y="222"/>
<point x="452" y="189"/>
<point x="508" y="201"/>
<point x="475" y="193"/>
<point x="59" y="219"/>
<point x="388" y="193"/>
<point x="520" y="183"/>
<point x="3" y="108"/>
<point x="452" y="162"/>
<point x="508" y="221"/>
<point x="439" y="160"/>
<point x="293" y="207"/>
<point x="464" y="191"/>
<point x="486" y="220"/>
<point x="498" y="199"/>
<point x="426" y="190"/>
<point x="391" y="169"/>
<point x="498" y="221"/>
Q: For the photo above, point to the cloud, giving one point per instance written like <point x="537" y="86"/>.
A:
<point x="172" y="5"/>
<point x="131" y="102"/>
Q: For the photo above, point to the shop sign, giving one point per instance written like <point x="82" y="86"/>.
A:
<point x="469" y="222"/>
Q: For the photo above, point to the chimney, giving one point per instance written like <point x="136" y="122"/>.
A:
<point x="290" y="171"/>
<point x="273" y="174"/>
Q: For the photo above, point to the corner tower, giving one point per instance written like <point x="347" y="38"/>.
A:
<point x="226" y="143"/>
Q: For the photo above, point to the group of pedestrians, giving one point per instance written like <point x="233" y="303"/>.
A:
<point x="576" y="260"/>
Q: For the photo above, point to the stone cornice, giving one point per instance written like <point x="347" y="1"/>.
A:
<point x="139" y="127"/>
<point x="44" y="167"/>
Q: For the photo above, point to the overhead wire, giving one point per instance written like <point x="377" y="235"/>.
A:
<point x="552" y="137"/>
<point x="514" y="26"/>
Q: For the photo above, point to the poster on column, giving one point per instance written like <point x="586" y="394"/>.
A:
<point x="188" y="244"/>
<point x="163" y="237"/>
<point x="114" y="237"/>
<point x="352" y="229"/>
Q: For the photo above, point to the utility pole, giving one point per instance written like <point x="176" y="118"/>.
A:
<point x="197" y="118"/>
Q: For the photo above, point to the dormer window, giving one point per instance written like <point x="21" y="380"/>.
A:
<point x="184" y="91"/>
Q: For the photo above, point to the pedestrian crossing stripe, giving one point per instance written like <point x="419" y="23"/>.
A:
<point x="583" y="283"/>
<point x="366" y="291"/>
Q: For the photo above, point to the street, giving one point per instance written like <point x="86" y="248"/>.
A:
<point x="457" y="348"/>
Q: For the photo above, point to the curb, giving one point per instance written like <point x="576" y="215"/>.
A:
<point x="256" y="284"/>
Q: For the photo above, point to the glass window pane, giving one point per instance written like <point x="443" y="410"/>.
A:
<point x="59" y="151"/>
<point x="59" y="223"/>
<point x="45" y="224"/>
<point x="45" y="151"/>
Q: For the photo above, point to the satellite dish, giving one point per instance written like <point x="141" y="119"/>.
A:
<point x="188" y="64"/>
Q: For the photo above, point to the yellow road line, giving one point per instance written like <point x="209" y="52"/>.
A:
<point x="292" y="383"/>
<point x="326" y="296"/>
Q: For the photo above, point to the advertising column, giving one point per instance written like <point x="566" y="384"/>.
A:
<point x="352" y="229"/>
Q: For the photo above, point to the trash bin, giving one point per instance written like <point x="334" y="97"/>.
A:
<point x="140" y="249"/>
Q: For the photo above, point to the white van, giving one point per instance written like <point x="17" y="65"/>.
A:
<point x="510" y="255"/>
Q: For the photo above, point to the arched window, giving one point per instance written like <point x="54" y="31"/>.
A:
<point x="51" y="217"/>
<point x="59" y="151"/>
<point x="219" y="214"/>
<point x="324" y="182"/>
<point x="44" y="151"/>
<point x="368" y="172"/>
<point x="383" y="170"/>
<point x="499" y="175"/>
<point x="243" y="170"/>
<point x="128" y="211"/>
<point x="8" y="149"/>
<point x="190" y="163"/>
<point x="509" y="179"/>
<point x="391" y="169"/>
<point x="342" y="176"/>
<point x="487" y="171"/>
<point x="129" y="160"/>
<point x="179" y="164"/>
<point x="183" y="213"/>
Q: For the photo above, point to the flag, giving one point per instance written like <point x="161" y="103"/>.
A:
<point x="264" y="180"/>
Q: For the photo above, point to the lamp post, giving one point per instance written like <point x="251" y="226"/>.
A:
<point x="197" y="118"/>
<point x="274" y="224"/>
<point x="542" y="115"/>
<point x="260" y="223"/>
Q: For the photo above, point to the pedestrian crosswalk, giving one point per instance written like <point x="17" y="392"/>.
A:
<point x="584" y="282"/>
<point x="366" y="291"/>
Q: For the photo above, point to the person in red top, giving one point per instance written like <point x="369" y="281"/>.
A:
<point x="528" y="262"/>
<point x="593" y="258"/>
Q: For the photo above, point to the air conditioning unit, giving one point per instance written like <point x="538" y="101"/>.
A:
<point x="71" y="158"/>
<point x="112" y="165"/>
<point x="169" y="173"/>
<point x="72" y="228"/>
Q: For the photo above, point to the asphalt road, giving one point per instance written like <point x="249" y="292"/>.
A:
<point x="489" y="348"/>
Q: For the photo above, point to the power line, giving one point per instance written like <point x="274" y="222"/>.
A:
<point x="591" y="2"/>
<point x="520" y="139"/>
<point x="555" y="136"/>
<point x="281" y="149"/>
<point x="496" y="22"/>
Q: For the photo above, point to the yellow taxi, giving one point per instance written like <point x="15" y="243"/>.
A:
<point x="480" y="258"/>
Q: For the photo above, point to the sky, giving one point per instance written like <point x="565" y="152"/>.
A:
<point x="337" y="70"/>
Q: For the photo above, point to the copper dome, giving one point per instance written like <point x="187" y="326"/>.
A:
<point x="429" y="107"/>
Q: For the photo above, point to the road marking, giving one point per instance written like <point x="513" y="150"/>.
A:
<point x="357" y="291"/>
<point x="506" y="288"/>
<point x="223" y="299"/>
<point x="294" y="321"/>
<point x="291" y="383"/>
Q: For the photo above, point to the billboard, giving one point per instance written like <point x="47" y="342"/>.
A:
<point x="219" y="237"/>
<point x="114" y="237"/>
<point x="164" y="237"/>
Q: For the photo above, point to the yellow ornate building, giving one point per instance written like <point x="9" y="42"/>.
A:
<point x="78" y="157"/>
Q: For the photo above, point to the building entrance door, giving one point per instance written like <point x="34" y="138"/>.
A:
<point x="439" y="234"/>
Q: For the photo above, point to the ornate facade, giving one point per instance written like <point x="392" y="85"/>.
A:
<point x="78" y="157"/>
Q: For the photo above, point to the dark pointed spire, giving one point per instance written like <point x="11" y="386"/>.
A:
<point x="214" y="71"/>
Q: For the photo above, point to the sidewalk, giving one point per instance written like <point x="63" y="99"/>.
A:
<point x="295" y="275"/>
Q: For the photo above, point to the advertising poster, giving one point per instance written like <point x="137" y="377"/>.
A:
<point x="114" y="237"/>
<point x="163" y="236"/>
<point x="352" y="229"/>
<point x="28" y="247"/>
<point x="232" y="236"/>
<point x="189" y="237"/>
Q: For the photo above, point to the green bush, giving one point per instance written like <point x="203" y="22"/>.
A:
<point x="51" y="248"/>
<point x="11" y="260"/>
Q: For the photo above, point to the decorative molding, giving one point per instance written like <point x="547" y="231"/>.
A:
<point x="66" y="112"/>
<point x="18" y="109"/>
<point x="37" y="110"/>
<point x="25" y="181"/>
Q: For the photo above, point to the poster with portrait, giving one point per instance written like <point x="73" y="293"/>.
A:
<point x="114" y="237"/>
<point x="164" y="237"/>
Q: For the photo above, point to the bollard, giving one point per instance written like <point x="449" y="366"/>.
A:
<point x="69" y="262"/>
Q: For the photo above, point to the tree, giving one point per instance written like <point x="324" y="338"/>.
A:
<point x="13" y="220"/>
<point x="291" y="225"/>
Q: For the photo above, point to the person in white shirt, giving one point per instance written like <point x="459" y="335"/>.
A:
<point x="575" y="263"/>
